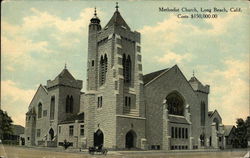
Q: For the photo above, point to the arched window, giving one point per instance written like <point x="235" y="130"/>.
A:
<point x="216" y="121"/>
<point x="52" y="108"/>
<point x="40" y="109"/>
<point x="203" y="110"/>
<point x="67" y="104"/>
<point x="71" y="104"/>
<point x="123" y="65"/>
<point x="127" y="67"/>
<point x="175" y="104"/>
<point x="101" y="72"/>
<point x="103" y="69"/>
<point x="105" y="65"/>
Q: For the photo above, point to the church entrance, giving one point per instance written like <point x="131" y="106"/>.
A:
<point x="98" y="138"/>
<point x="130" y="139"/>
<point x="51" y="134"/>
<point x="202" y="139"/>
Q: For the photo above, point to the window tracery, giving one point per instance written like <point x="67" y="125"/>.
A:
<point x="175" y="104"/>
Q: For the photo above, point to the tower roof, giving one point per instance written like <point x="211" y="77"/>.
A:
<point x="198" y="86"/>
<point x="194" y="79"/>
<point x="95" y="19"/>
<point x="64" y="78"/>
<point x="117" y="20"/>
<point x="65" y="74"/>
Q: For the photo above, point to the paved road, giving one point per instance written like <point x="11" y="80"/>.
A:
<point x="22" y="152"/>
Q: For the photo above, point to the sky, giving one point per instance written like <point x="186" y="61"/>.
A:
<point x="39" y="37"/>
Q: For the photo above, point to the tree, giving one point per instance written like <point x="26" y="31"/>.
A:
<point x="5" y="125"/>
<point x="241" y="133"/>
<point x="247" y="124"/>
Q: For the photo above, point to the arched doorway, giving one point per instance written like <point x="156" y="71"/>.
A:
<point x="98" y="138"/>
<point x="51" y="134"/>
<point x="202" y="139"/>
<point x="130" y="139"/>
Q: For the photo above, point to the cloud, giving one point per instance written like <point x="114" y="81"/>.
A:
<point x="230" y="90"/>
<point x="15" y="100"/>
<point x="44" y="19"/>
<point x="174" y="58"/>
<point x="220" y="24"/>
<point x="20" y="46"/>
<point x="162" y="33"/>
<point x="175" y="32"/>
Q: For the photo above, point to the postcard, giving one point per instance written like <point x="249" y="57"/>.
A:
<point x="125" y="79"/>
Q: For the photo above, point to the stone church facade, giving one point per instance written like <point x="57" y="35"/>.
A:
<point x="122" y="108"/>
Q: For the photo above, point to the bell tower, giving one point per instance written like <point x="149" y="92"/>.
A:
<point x="115" y="106"/>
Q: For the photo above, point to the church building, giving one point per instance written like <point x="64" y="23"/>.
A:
<point x="122" y="108"/>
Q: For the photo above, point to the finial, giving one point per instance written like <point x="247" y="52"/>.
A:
<point x="65" y="66"/>
<point x="116" y="6"/>
<point x="193" y="73"/>
<point x="95" y="12"/>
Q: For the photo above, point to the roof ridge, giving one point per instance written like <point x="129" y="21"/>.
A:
<point x="151" y="76"/>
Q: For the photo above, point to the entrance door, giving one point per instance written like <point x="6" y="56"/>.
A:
<point x="202" y="139"/>
<point x="51" y="134"/>
<point x="98" y="138"/>
<point x="130" y="139"/>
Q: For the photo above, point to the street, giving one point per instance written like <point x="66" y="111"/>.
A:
<point x="23" y="152"/>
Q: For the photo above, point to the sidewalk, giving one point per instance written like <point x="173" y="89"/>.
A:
<point x="128" y="152"/>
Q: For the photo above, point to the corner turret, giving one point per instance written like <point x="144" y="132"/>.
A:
<point x="198" y="86"/>
<point x="92" y="64"/>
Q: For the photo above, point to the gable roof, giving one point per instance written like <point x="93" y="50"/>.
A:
<point x="213" y="112"/>
<point x="44" y="88"/>
<point x="210" y="113"/>
<point x="65" y="74"/>
<point x="149" y="77"/>
<point x="117" y="20"/>
<point x="17" y="129"/>
<point x="228" y="129"/>
<point x="73" y="118"/>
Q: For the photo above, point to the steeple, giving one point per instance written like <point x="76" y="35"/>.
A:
<point x="117" y="19"/>
<point x="95" y="19"/>
<point x="117" y="6"/>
